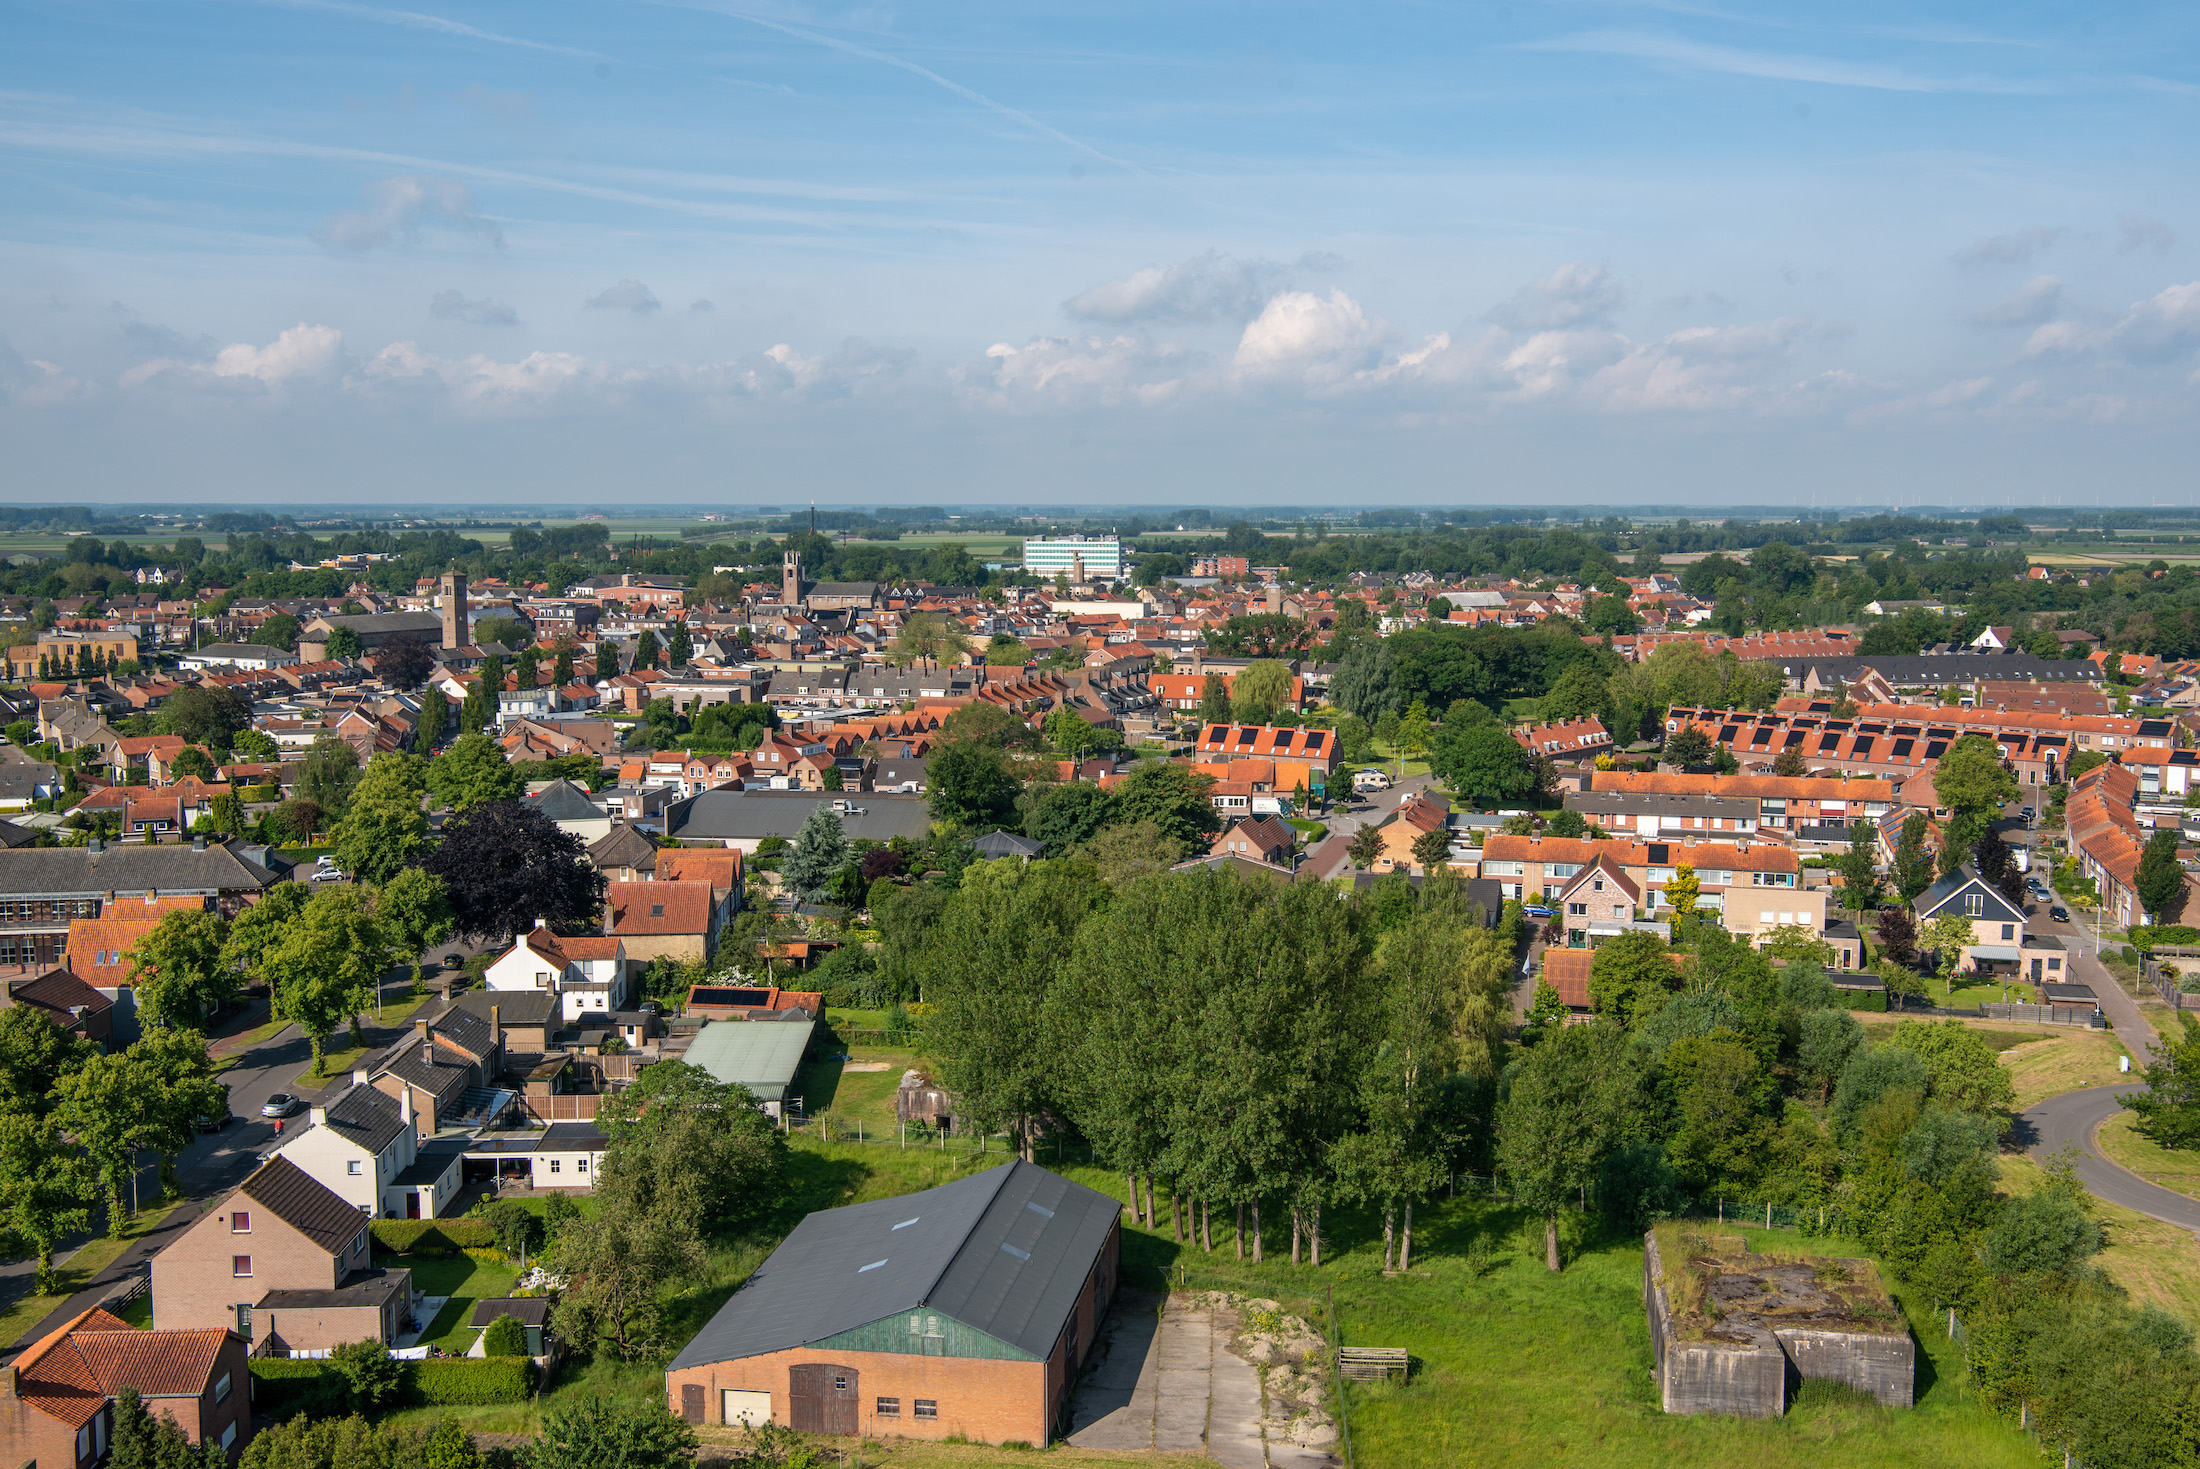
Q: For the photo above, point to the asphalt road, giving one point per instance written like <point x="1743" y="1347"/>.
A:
<point x="1349" y="814"/>
<point x="2073" y="1118"/>
<point x="2084" y="968"/>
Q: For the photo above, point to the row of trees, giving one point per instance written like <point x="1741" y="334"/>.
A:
<point x="1249" y="1045"/>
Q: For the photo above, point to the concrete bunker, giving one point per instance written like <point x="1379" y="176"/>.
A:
<point x="1732" y="1331"/>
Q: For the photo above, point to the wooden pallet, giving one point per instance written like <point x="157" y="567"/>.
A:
<point x="1366" y="1364"/>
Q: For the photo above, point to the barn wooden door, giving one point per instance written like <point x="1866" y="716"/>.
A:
<point x="821" y="1398"/>
<point x="691" y="1402"/>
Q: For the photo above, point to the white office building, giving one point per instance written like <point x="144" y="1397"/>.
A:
<point x="1101" y="556"/>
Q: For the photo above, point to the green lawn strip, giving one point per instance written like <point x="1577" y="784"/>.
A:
<point x="2170" y="1168"/>
<point x="78" y="1272"/>
<point x="338" y="1064"/>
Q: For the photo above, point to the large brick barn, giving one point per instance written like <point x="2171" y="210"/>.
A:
<point x="964" y="1309"/>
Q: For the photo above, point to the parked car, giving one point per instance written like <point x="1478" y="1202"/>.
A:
<point x="215" y="1124"/>
<point x="330" y="874"/>
<point x="2059" y="913"/>
<point x="282" y="1104"/>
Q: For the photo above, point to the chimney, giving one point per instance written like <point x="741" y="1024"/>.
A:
<point x="318" y="1116"/>
<point x="198" y="843"/>
<point x="405" y="1105"/>
<point x="96" y="845"/>
<point x="496" y="1028"/>
<point x="360" y="1076"/>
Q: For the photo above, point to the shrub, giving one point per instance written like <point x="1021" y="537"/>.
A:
<point x="283" y="1388"/>
<point x="438" y="1239"/>
<point x="472" y="1381"/>
<point x="506" y="1337"/>
<point x="518" y="1228"/>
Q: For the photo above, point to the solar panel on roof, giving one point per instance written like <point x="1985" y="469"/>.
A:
<point x="730" y="995"/>
<point x="1935" y="748"/>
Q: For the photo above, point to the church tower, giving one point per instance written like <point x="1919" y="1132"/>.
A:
<point x="790" y="579"/>
<point x="456" y="631"/>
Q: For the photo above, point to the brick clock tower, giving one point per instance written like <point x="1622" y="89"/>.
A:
<point x="790" y="579"/>
<point x="456" y="632"/>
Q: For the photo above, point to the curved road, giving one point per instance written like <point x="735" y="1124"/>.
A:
<point x="2072" y="1118"/>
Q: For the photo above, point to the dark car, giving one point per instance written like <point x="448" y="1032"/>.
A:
<point x="2059" y="913"/>
<point x="282" y="1104"/>
<point x="215" y="1124"/>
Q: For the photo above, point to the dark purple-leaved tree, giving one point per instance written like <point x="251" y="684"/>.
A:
<point x="507" y="865"/>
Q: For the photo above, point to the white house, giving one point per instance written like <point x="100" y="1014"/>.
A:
<point x="363" y="1148"/>
<point x="590" y="974"/>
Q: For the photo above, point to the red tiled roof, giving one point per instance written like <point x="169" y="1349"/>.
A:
<point x="571" y="949"/>
<point x="70" y="1373"/>
<point x="659" y="907"/>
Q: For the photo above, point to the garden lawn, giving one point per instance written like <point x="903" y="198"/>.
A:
<point x="465" y="1280"/>
<point x="2039" y="1069"/>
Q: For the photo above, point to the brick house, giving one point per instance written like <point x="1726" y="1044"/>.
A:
<point x="1600" y="899"/>
<point x="668" y="920"/>
<point x="57" y="1400"/>
<point x="1575" y="740"/>
<point x="587" y="972"/>
<point x="284" y="1263"/>
<point x="1417" y="816"/>
<point x="962" y="1310"/>
<point x="65" y="1000"/>
<point x="1997" y="925"/>
<point x="1263" y="838"/>
<point x="444" y="1070"/>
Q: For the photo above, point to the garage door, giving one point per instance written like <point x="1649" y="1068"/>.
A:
<point x="747" y="1407"/>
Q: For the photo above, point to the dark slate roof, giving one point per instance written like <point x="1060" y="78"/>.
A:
<point x="526" y="1310"/>
<point x="465" y="1028"/>
<point x="364" y="1289"/>
<point x="288" y="1192"/>
<point x="446" y="1080"/>
<point x="730" y="815"/>
<point x="1946" y="668"/>
<point x="561" y="800"/>
<point x="1005" y="1252"/>
<point x="514" y="1007"/>
<point x="57" y="871"/>
<point x="434" y="1160"/>
<point x="12" y="835"/>
<point x="997" y="844"/>
<point x="623" y="846"/>
<point x="573" y="1137"/>
<point x="1997" y="909"/>
<point x="59" y="992"/>
<point x="368" y="1118"/>
<point x="387" y="624"/>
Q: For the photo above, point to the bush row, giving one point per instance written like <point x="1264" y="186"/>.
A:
<point x="285" y="1387"/>
<point x="435" y="1238"/>
<point x="2177" y="935"/>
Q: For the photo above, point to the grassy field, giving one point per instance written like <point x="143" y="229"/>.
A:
<point x="2178" y="1171"/>
<point x="2039" y="1069"/>
<point x="26" y="1311"/>
<point x="859" y="1089"/>
<point x="465" y="1280"/>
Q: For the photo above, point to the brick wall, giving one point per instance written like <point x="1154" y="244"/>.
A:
<point x="989" y="1401"/>
<point x="194" y="1282"/>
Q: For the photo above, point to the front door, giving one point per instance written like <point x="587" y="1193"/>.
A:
<point x="691" y="1402"/>
<point x="2036" y="970"/>
<point x="412" y="1204"/>
<point x="821" y="1398"/>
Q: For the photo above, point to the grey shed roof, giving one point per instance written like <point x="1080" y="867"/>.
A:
<point x="763" y="1058"/>
<point x="997" y="844"/>
<point x="1005" y="1252"/>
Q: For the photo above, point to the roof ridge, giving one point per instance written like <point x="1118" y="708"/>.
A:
<point x="1005" y="1172"/>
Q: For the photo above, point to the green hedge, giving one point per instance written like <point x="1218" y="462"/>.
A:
<point x="1864" y="999"/>
<point x="2177" y="935"/>
<point x="471" y="1381"/>
<point x="435" y="1238"/>
<point x="285" y="1387"/>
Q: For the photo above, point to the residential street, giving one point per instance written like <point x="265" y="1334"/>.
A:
<point x="214" y="1162"/>
<point x="1348" y="814"/>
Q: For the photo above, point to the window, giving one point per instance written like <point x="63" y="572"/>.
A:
<point x="581" y="1166"/>
<point x="351" y="1166"/>
<point x="656" y="910"/>
<point x="889" y="1407"/>
<point x="229" y="1434"/>
<point x="1974" y="904"/>
<point x="2008" y="931"/>
<point x="1577" y="909"/>
<point x="240" y="1222"/>
<point x="359" y="1243"/>
<point x="221" y="1388"/>
<point x="240" y="1266"/>
<point x="926" y="1408"/>
<point x="840" y="1384"/>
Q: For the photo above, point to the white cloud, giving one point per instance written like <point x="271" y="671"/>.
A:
<point x="451" y="305"/>
<point x="1575" y="294"/>
<point x="2033" y="303"/>
<point x="2012" y="249"/>
<point x="1300" y="331"/>
<point x="299" y="355"/>
<point x="396" y="208"/>
<point x="628" y="295"/>
<point x="1085" y="371"/>
<point x="1204" y="288"/>
<point x="2154" y="331"/>
<point x="478" y="381"/>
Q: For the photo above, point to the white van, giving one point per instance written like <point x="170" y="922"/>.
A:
<point x="1370" y="780"/>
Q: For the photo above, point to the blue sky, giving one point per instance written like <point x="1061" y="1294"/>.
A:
<point x="288" y="250"/>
